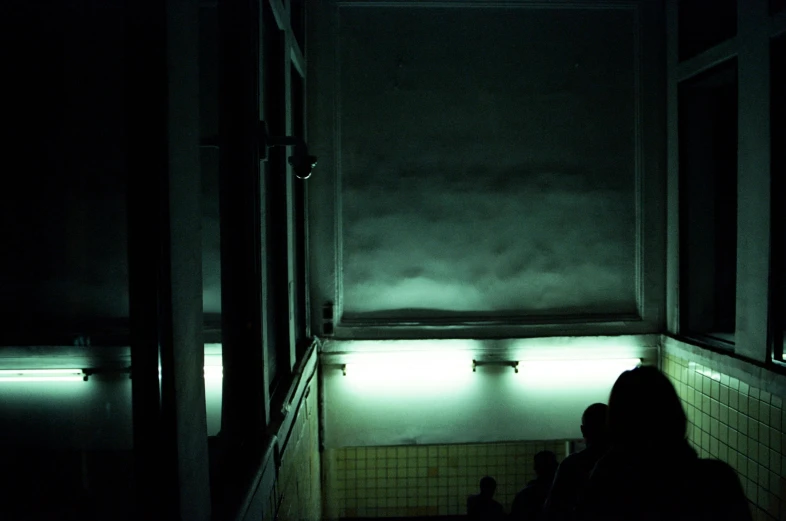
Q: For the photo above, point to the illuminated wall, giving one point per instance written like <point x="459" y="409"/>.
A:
<point x="82" y="415"/>
<point x="426" y="392"/>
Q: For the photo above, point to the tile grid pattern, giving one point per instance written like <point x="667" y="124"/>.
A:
<point x="427" y="480"/>
<point x="742" y="425"/>
<point x="296" y="494"/>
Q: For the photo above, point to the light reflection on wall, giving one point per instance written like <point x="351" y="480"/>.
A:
<point x="424" y="397"/>
<point x="86" y="415"/>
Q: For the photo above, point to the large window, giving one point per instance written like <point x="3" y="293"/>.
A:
<point x="708" y="203"/>
<point x="778" y="128"/>
<point x="299" y="290"/>
<point x="275" y="188"/>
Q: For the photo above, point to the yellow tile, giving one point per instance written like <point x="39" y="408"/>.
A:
<point x="734" y="399"/>
<point x="764" y="454"/>
<point x="733" y="439"/>
<point x="744" y="404"/>
<point x="742" y="426"/>
<point x="724" y="433"/>
<point x="724" y="395"/>
<point x="753" y="407"/>
<point x="753" y="450"/>
<point x="775" y="417"/>
<point x="775" y="482"/>
<point x="775" y="462"/>
<point x="742" y="444"/>
<point x="723" y="452"/>
<point x="753" y="430"/>
<point x="724" y="414"/>
<point x="732" y="458"/>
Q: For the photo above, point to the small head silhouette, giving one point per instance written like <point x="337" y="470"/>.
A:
<point x="488" y="486"/>
<point x="594" y="423"/>
<point x="644" y="409"/>
<point x="545" y="464"/>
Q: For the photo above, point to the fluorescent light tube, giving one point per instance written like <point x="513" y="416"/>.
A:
<point x="41" y="375"/>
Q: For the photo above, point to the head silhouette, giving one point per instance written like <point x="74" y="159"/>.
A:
<point x="487" y="487"/>
<point x="545" y="464"/>
<point x="644" y="409"/>
<point x="594" y="426"/>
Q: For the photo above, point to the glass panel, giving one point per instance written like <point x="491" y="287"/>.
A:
<point x="299" y="216"/>
<point x="778" y="122"/>
<point x="708" y="202"/>
<point x="274" y="181"/>
<point x="704" y="24"/>
<point x="298" y="19"/>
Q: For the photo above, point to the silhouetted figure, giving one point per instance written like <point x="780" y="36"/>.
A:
<point x="483" y="506"/>
<point x="528" y="504"/>
<point x="574" y="471"/>
<point x="650" y="472"/>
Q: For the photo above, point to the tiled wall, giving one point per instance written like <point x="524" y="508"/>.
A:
<point x="425" y="480"/>
<point x="739" y="424"/>
<point x="297" y="494"/>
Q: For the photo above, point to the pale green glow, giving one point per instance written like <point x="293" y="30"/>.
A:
<point x="41" y="375"/>
<point x="214" y="372"/>
<point x="573" y="373"/>
<point x="406" y="372"/>
<point x="705" y="372"/>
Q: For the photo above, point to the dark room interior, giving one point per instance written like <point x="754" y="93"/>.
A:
<point x="342" y="259"/>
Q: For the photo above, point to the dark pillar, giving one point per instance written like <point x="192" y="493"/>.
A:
<point x="165" y="274"/>
<point x="244" y="415"/>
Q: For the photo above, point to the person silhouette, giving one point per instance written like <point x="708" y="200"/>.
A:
<point x="528" y="504"/>
<point x="483" y="506"/>
<point x="574" y="471"/>
<point x="650" y="471"/>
